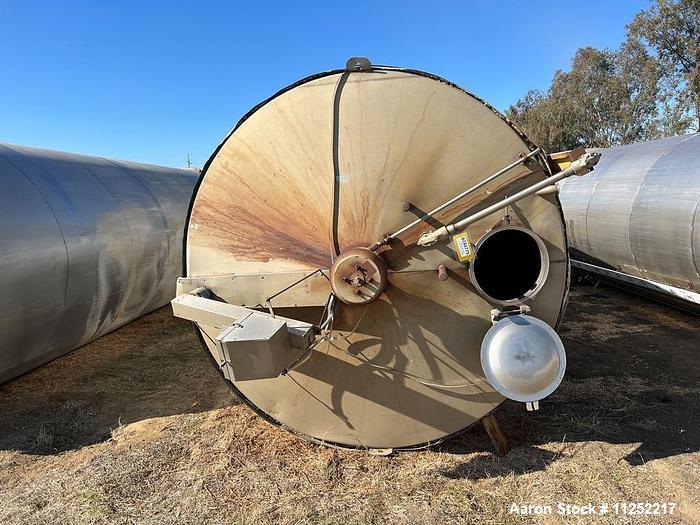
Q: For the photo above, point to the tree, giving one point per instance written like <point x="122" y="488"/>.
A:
<point x="608" y="98"/>
<point x="646" y="89"/>
<point x="671" y="29"/>
<point x="535" y="114"/>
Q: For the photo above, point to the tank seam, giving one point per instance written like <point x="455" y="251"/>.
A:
<point x="692" y="231"/>
<point x="153" y="194"/>
<point x="53" y="213"/>
<point x="634" y="200"/>
<point x="128" y="228"/>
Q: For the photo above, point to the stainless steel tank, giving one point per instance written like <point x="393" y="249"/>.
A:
<point x="352" y="241"/>
<point x="636" y="217"/>
<point x="87" y="245"/>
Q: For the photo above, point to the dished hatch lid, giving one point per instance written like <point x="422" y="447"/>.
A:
<point x="523" y="358"/>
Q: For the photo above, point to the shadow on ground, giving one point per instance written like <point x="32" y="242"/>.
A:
<point x="633" y="378"/>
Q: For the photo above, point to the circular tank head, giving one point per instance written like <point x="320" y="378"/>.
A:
<point x="523" y="358"/>
<point x="510" y="265"/>
<point x="326" y="166"/>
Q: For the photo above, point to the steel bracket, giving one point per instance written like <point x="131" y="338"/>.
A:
<point x="358" y="64"/>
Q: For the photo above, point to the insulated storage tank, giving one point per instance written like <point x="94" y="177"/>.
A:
<point x="636" y="219"/>
<point x="87" y="245"/>
<point x="352" y="241"/>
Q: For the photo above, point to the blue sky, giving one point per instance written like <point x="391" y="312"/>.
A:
<point x="154" y="81"/>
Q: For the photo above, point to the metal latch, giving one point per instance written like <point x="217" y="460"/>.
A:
<point x="497" y="315"/>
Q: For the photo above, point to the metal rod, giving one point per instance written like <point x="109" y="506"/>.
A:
<point x="458" y="197"/>
<point x="580" y="166"/>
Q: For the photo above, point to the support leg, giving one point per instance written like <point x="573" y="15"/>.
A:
<point x="499" y="441"/>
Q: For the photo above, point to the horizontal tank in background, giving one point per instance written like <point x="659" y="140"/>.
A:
<point x="636" y="219"/>
<point x="88" y="244"/>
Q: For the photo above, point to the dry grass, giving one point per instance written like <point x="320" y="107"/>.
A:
<point x="136" y="428"/>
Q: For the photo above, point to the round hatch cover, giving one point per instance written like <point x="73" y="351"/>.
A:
<point x="523" y="358"/>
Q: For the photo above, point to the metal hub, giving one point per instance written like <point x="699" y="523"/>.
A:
<point x="358" y="276"/>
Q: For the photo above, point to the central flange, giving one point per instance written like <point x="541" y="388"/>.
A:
<point x="358" y="276"/>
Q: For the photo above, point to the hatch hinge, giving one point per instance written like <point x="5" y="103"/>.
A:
<point x="497" y="315"/>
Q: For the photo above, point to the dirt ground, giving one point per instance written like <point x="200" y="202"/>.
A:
<point x="138" y="428"/>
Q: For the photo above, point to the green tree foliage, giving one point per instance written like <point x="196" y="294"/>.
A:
<point x="646" y="89"/>
<point x="671" y="30"/>
<point x="604" y="100"/>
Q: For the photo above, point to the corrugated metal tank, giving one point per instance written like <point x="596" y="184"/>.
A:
<point x="88" y="244"/>
<point x="637" y="213"/>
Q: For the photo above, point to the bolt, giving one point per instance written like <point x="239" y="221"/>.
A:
<point x="357" y="279"/>
<point x="442" y="272"/>
<point x="405" y="206"/>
